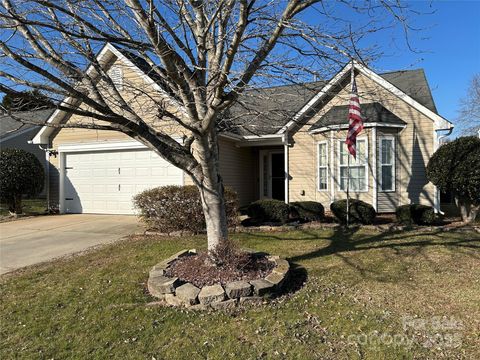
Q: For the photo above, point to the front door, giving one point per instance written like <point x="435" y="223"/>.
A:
<point x="272" y="184"/>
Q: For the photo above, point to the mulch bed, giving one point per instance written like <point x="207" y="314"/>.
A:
<point x="199" y="270"/>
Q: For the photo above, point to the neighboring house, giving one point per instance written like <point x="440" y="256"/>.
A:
<point x="14" y="134"/>
<point x="289" y="146"/>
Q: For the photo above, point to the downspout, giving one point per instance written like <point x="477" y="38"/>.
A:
<point x="437" y="145"/>
<point x="286" y="165"/>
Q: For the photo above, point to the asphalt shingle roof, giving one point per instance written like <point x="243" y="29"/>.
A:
<point x="266" y="111"/>
<point x="9" y="125"/>
<point x="371" y="112"/>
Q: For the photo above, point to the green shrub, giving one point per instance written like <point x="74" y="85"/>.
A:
<point x="21" y="174"/>
<point x="179" y="208"/>
<point x="269" y="210"/>
<point x="415" y="214"/>
<point x="455" y="167"/>
<point x="309" y="210"/>
<point x="360" y="211"/>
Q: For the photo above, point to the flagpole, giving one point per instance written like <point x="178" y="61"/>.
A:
<point x="348" y="188"/>
<point x="352" y="79"/>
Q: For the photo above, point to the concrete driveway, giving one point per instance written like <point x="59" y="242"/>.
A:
<point x="29" y="241"/>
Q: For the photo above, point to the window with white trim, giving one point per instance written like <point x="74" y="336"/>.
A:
<point x="322" y="166"/>
<point x="358" y="167"/>
<point x="116" y="74"/>
<point x="387" y="164"/>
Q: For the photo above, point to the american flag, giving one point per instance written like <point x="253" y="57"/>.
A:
<point x="355" y="121"/>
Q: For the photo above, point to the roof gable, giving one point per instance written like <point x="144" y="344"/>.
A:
<point x="131" y="60"/>
<point x="418" y="90"/>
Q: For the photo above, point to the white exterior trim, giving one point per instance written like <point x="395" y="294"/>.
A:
<point x="440" y="122"/>
<point x="101" y="146"/>
<point x="367" y="158"/>
<point x="327" y="166"/>
<point x="332" y="167"/>
<point x="374" y="169"/>
<point x="394" y="163"/>
<point x="268" y="136"/>
<point x="365" y="125"/>
<point x="286" y="167"/>
<point x="61" y="190"/>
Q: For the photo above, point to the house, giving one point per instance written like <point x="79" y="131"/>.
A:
<point x="14" y="134"/>
<point x="289" y="145"/>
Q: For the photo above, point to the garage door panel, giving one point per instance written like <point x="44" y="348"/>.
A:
<point x="95" y="184"/>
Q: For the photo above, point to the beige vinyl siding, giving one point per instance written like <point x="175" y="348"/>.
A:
<point x="237" y="170"/>
<point x="414" y="146"/>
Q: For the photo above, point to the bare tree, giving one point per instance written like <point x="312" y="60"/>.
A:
<point x="203" y="55"/>
<point x="469" y="117"/>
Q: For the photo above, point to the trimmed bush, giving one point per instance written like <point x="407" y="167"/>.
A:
<point x="21" y="174"/>
<point x="179" y="208"/>
<point x="415" y="214"/>
<point x="455" y="167"/>
<point x="309" y="210"/>
<point x="360" y="211"/>
<point x="269" y="210"/>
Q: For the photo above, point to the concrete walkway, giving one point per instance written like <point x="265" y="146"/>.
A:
<point x="29" y="241"/>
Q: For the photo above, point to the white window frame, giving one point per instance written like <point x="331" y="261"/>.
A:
<point x="326" y="166"/>
<point x="116" y="74"/>
<point x="393" y="164"/>
<point x="367" y="159"/>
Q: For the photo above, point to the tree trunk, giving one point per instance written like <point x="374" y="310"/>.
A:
<point x="468" y="211"/>
<point x="15" y="206"/>
<point x="215" y="215"/>
<point x="212" y="194"/>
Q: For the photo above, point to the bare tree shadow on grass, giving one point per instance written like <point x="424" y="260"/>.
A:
<point x="344" y="243"/>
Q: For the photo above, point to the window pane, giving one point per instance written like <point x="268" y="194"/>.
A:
<point x="322" y="154"/>
<point x="322" y="185"/>
<point x="360" y="151"/>
<point x="343" y="154"/>
<point x="387" y="179"/>
<point x="343" y="178"/>
<point x="387" y="151"/>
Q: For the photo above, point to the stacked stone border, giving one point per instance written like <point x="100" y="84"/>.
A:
<point x="184" y="294"/>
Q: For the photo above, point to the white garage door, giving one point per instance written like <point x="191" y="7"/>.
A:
<point x="105" y="181"/>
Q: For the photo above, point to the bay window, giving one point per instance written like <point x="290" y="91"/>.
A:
<point x="358" y="167"/>
<point x="322" y="166"/>
<point x="387" y="164"/>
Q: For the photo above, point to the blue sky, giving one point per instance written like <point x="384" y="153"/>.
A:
<point x="451" y="52"/>
<point x="449" y="43"/>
